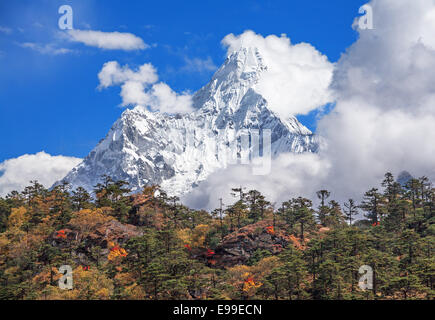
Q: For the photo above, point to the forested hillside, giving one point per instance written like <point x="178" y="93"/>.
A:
<point x="151" y="246"/>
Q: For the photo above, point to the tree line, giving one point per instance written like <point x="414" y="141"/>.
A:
<point x="173" y="256"/>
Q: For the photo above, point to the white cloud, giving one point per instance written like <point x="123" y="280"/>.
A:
<point x="108" y="40"/>
<point x="17" y="172"/>
<point x="5" y="30"/>
<point x="292" y="175"/>
<point x="384" y="118"/>
<point x="141" y="88"/>
<point x="298" y="76"/>
<point x="164" y="99"/>
<point x="45" y="48"/>
<point x="113" y="74"/>
<point x="38" y="25"/>
<point x="385" y="111"/>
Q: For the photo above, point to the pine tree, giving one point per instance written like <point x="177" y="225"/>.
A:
<point x="238" y="211"/>
<point x="33" y="191"/>
<point x="238" y="192"/>
<point x="323" y="209"/>
<point x="62" y="206"/>
<point x="413" y="188"/>
<point x="372" y="205"/>
<point x="292" y="273"/>
<point x="286" y="213"/>
<point x="392" y="189"/>
<point x="303" y="214"/>
<point x="5" y="211"/>
<point x="257" y="205"/>
<point x="80" y="199"/>
<point x="351" y="210"/>
<point x="334" y="217"/>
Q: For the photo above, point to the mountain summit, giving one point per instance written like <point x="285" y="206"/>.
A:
<point x="179" y="151"/>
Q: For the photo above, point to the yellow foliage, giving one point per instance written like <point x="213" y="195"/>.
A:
<point x="184" y="235"/>
<point x="45" y="276"/>
<point x="239" y="270"/>
<point x="124" y="278"/>
<point x="4" y="247"/>
<point x="199" y="234"/>
<point x="106" y="210"/>
<point x="237" y="276"/>
<point x="116" y="251"/>
<point x="87" y="284"/>
<point x="132" y="289"/>
<point x="103" y="294"/>
<point x="87" y="219"/>
<point x="11" y="271"/>
<point x="250" y="285"/>
<point x="265" y="266"/>
<point x="135" y="292"/>
<point x="17" y="217"/>
<point x="44" y="204"/>
<point x="247" y="278"/>
<point x="195" y="238"/>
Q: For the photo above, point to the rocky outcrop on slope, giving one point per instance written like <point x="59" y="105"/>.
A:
<point x="95" y="244"/>
<point x="239" y="246"/>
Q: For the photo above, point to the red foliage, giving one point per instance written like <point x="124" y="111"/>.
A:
<point x="86" y="268"/>
<point x="187" y="247"/>
<point x="210" y="253"/>
<point x="270" y="230"/>
<point x="249" y="280"/>
<point x="61" y="234"/>
<point x="375" y="224"/>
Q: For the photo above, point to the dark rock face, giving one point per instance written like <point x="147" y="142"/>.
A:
<point x="239" y="246"/>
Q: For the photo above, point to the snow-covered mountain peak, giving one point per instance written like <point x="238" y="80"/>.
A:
<point x="245" y="64"/>
<point x="179" y="151"/>
<point x="239" y="73"/>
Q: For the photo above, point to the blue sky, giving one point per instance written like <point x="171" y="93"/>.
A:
<point x="50" y="101"/>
